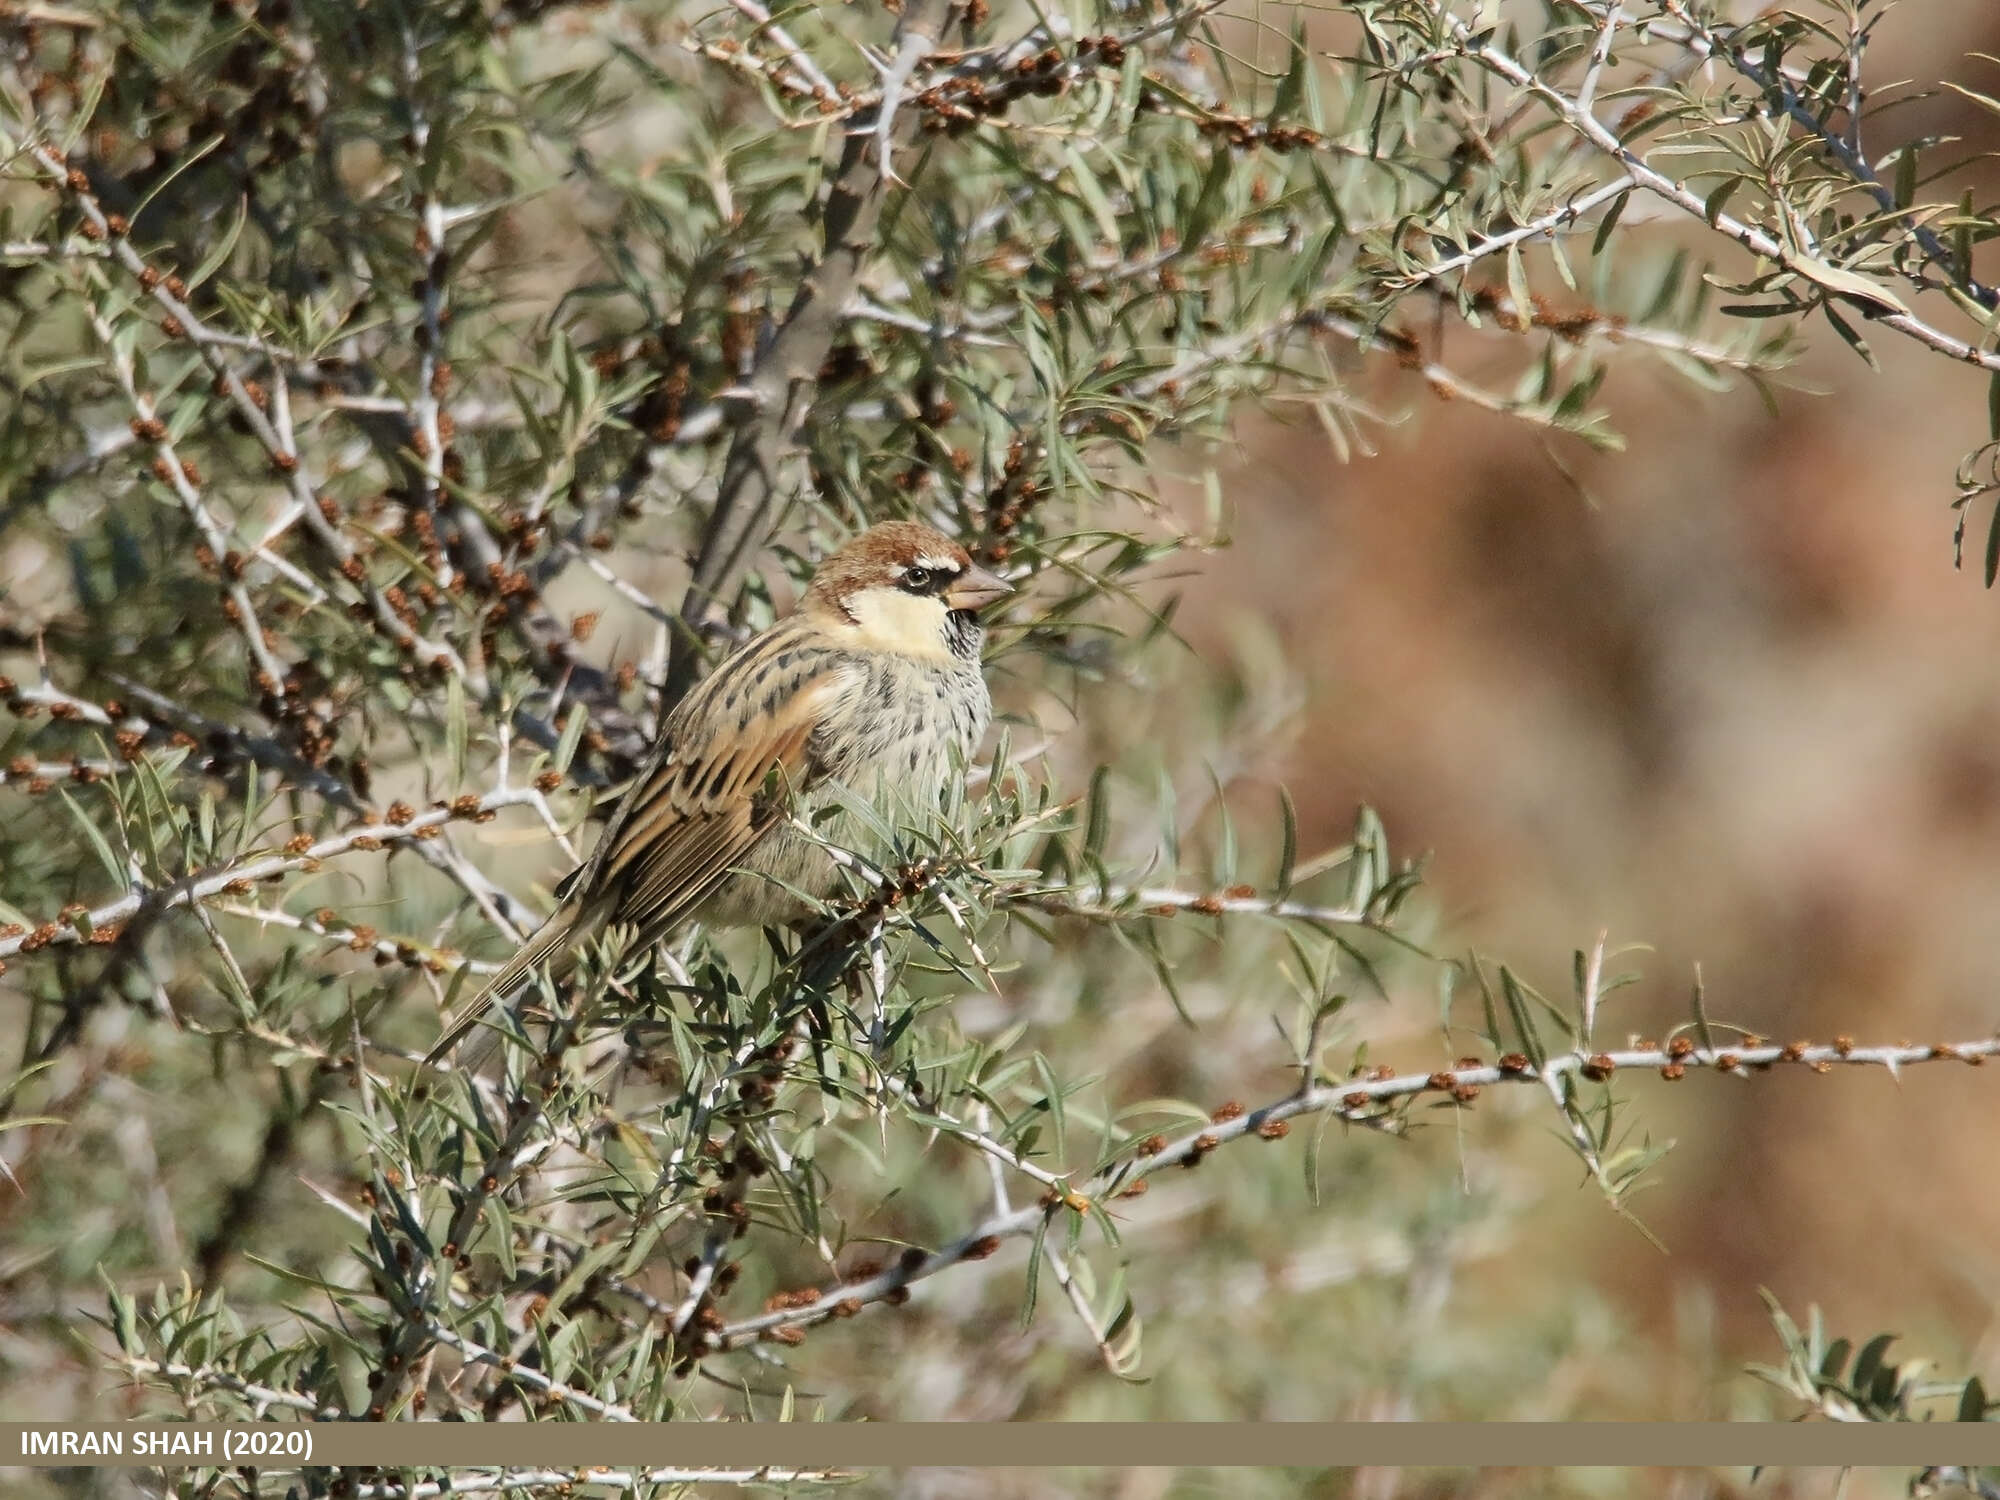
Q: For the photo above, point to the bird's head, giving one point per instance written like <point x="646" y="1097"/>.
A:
<point x="907" y="587"/>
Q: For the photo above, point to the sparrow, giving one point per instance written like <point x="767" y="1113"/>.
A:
<point x="872" y="685"/>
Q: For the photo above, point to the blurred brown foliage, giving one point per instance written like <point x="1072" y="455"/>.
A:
<point x="1723" y="694"/>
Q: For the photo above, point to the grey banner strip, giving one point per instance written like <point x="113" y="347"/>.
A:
<point x="856" y="1445"/>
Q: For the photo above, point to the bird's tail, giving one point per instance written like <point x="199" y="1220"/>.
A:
<point x="553" y="941"/>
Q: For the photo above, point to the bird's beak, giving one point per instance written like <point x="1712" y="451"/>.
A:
<point x="976" y="589"/>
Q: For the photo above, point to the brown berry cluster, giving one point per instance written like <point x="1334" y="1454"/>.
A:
<point x="961" y="101"/>
<point x="1010" y="502"/>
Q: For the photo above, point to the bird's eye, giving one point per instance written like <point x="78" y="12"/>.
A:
<point x="916" y="580"/>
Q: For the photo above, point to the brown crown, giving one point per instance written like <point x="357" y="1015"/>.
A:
<point x="873" y="559"/>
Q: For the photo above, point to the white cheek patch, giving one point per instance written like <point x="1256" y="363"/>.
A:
<point x="913" y="623"/>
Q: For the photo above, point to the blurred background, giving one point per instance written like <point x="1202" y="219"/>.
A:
<point x="1722" y="694"/>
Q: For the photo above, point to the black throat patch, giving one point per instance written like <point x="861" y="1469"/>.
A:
<point x="963" y="634"/>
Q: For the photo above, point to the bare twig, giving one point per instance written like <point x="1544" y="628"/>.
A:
<point x="1354" y="1099"/>
<point x="1882" y="307"/>
<point x="749" y="498"/>
<point x="102" y="923"/>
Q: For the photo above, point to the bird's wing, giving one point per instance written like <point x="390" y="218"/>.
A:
<point x="719" y="789"/>
<point x="551" y="941"/>
<point x="714" y="785"/>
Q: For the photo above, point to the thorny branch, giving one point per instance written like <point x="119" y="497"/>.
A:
<point x="101" y="924"/>
<point x="1844" y="148"/>
<point x="1357" y="1100"/>
<point x="1833" y="281"/>
<point x="750" y="496"/>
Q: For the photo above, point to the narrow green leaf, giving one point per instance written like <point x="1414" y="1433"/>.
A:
<point x="1291" y="88"/>
<point x="1698" y="999"/>
<point x="1524" y="1022"/>
<point x="1853" y="339"/>
<point x="1052" y="1092"/>
<point x="1288" y="852"/>
<point x="572" y="736"/>
<point x="1097" y="817"/>
<point x="1972" y="1402"/>
<point x="1883" y="1390"/>
<point x="1718" y="200"/>
<point x="219" y="254"/>
<point x="1608" y="223"/>
<point x="1906" y="177"/>
<point x="1033" y="1289"/>
<point x="454" y="728"/>
<point x="1517" y="283"/>
<point x="1870" y="1362"/>
<point x="105" y="857"/>
<point x="1207" y="203"/>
